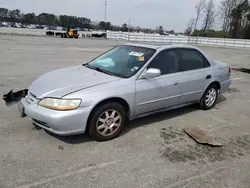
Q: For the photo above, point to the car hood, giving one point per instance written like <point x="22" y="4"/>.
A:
<point x="59" y="83"/>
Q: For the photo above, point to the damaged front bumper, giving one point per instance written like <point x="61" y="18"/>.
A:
<point x="57" y="122"/>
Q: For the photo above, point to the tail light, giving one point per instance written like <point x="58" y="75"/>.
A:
<point x="229" y="71"/>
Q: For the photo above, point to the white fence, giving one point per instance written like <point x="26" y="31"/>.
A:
<point x="145" y="38"/>
<point x="163" y="39"/>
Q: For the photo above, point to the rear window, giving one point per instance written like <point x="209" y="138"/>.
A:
<point x="191" y="59"/>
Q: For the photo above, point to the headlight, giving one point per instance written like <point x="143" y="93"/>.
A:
<point x="60" y="104"/>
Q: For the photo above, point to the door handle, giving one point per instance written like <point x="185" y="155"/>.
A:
<point x="208" y="77"/>
<point x="176" y="83"/>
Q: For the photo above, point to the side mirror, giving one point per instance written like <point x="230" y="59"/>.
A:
<point x="151" y="73"/>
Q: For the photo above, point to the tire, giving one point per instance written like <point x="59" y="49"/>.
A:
<point x="212" y="92"/>
<point x="76" y="37"/>
<point x="113" y="121"/>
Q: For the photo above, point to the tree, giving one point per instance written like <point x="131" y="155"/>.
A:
<point x="160" y="30"/>
<point x="190" y="26"/>
<point x="124" y="27"/>
<point x="29" y="18"/>
<point x="226" y="8"/>
<point x="14" y="15"/>
<point x="239" y="17"/>
<point x="209" y="12"/>
<point x="108" y="26"/>
<point x="104" y="25"/>
<point x="199" y="7"/>
<point x="3" y="13"/>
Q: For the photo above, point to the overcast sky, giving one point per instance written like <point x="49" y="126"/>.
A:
<point x="171" y="14"/>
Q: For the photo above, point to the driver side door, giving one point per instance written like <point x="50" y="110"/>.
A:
<point x="160" y="92"/>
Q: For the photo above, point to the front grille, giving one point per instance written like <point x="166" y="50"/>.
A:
<point x="31" y="98"/>
<point x="41" y="123"/>
<point x="31" y="94"/>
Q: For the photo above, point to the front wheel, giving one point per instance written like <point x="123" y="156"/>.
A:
<point x="106" y="121"/>
<point x="209" y="98"/>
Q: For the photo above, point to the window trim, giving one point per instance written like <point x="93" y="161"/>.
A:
<point x="206" y="63"/>
<point x="165" y="50"/>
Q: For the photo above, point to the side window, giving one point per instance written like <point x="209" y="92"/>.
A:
<point x="166" y="61"/>
<point x="192" y="59"/>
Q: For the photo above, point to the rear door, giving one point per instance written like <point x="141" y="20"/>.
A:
<point x="195" y="76"/>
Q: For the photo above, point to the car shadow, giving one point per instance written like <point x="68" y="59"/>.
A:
<point x="221" y="99"/>
<point x="165" y="116"/>
<point x="158" y="117"/>
<point x="72" y="139"/>
<point x="155" y="118"/>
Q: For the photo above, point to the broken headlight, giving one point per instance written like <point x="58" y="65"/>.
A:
<point x="60" y="104"/>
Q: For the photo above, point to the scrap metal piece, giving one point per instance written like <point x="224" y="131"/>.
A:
<point x="202" y="137"/>
<point x="13" y="97"/>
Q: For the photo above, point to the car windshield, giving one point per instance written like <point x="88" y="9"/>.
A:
<point x="122" y="61"/>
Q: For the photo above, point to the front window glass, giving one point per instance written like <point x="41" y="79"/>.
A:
<point x="122" y="61"/>
<point x="166" y="62"/>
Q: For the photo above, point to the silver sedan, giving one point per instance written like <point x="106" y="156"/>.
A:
<point x="124" y="83"/>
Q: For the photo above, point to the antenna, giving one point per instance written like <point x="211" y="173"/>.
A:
<point x="105" y="12"/>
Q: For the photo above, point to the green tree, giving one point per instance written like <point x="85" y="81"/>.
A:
<point x="239" y="17"/>
<point x="3" y="13"/>
<point x="160" y="30"/>
<point x="124" y="27"/>
<point x="29" y="18"/>
<point x="14" y="15"/>
<point x="102" y="25"/>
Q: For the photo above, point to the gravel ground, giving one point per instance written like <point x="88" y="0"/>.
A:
<point x="151" y="152"/>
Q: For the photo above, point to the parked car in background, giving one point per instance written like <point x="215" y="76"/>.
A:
<point x="5" y="24"/>
<point x="125" y="83"/>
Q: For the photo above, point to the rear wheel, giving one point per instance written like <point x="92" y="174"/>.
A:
<point x="106" y="121"/>
<point x="209" y="98"/>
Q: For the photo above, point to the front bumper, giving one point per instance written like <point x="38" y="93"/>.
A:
<point x="58" y="122"/>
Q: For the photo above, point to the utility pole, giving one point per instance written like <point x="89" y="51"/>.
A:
<point x="105" y="11"/>
<point x="129" y="20"/>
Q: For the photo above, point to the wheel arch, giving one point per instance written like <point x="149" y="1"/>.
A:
<point x="215" y="83"/>
<point x="212" y="83"/>
<point x="119" y="100"/>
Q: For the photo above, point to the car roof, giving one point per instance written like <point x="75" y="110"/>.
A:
<point x="161" y="46"/>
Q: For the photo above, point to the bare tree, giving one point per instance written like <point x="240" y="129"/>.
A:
<point x="209" y="12"/>
<point x="226" y="8"/>
<point x="190" y="27"/>
<point x="199" y="7"/>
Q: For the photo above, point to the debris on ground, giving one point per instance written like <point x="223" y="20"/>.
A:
<point x="202" y="137"/>
<point x="242" y="70"/>
<point x="11" y="97"/>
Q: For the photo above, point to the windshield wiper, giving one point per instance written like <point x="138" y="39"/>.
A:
<point x="99" y="69"/>
<point x="103" y="71"/>
<point x="87" y="65"/>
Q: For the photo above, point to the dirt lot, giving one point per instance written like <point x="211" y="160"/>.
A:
<point x="151" y="152"/>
